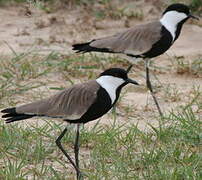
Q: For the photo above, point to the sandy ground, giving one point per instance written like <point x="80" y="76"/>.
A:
<point x="44" y="33"/>
<point x="58" y="31"/>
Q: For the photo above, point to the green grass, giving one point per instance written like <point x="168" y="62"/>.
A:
<point x="3" y="2"/>
<point x="196" y="6"/>
<point x="120" y="152"/>
<point x="171" y="150"/>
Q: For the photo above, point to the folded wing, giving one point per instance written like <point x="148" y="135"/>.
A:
<point x="136" y="40"/>
<point x="69" y="104"/>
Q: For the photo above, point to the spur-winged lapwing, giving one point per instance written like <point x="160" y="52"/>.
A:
<point x="143" y="41"/>
<point x="80" y="103"/>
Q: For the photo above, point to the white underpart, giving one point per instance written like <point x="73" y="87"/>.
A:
<point x="170" y="20"/>
<point x="110" y="84"/>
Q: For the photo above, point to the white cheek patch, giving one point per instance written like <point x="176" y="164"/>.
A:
<point x="171" y="19"/>
<point x="110" y="84"/>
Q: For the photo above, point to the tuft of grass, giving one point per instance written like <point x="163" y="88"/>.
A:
<point x="19" y="73"/>
<point x="196" y="6"/>
<point x="172" y="94"/>
<point x="191" y="67"/>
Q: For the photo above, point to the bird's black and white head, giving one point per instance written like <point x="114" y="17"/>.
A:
<point x="174" y="17"/>
<point x="112" y="80"/>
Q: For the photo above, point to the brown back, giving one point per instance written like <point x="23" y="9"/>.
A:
<point x="135" y="40"/>
<point x="70" y="103"/>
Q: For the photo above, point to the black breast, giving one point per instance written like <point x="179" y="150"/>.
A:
<point x="160" y="46"/>
<point x="179" y="27"/>
<point x="100" y="107"/>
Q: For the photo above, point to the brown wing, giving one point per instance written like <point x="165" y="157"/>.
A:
<point x="70" y="104"/>
<point x="136" y="40"/>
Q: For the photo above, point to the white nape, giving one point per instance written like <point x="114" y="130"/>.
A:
<point x="170" y="20"/>
<point x="110" y="84"/>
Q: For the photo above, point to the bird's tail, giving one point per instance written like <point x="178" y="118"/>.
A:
<point x="83" y="47"/>
<point x="11" y="115"/>
<point x="86" y="47"/>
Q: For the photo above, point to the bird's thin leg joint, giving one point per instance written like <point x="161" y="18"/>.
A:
<point x="58" y="143"/>
<point x="149" y="86"/>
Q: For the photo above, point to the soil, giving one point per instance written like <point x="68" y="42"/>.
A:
<point x="38" y="31"/>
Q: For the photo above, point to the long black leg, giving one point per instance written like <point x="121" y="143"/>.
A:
<point x="58" y="143"/>
<point x="149" y="86"/>
<point x="129" y="68"/>
<point x="76" y="150"/>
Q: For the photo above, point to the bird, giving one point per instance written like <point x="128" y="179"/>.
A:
<point x="144" y="41"/>
<point x="77" y="104"/>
